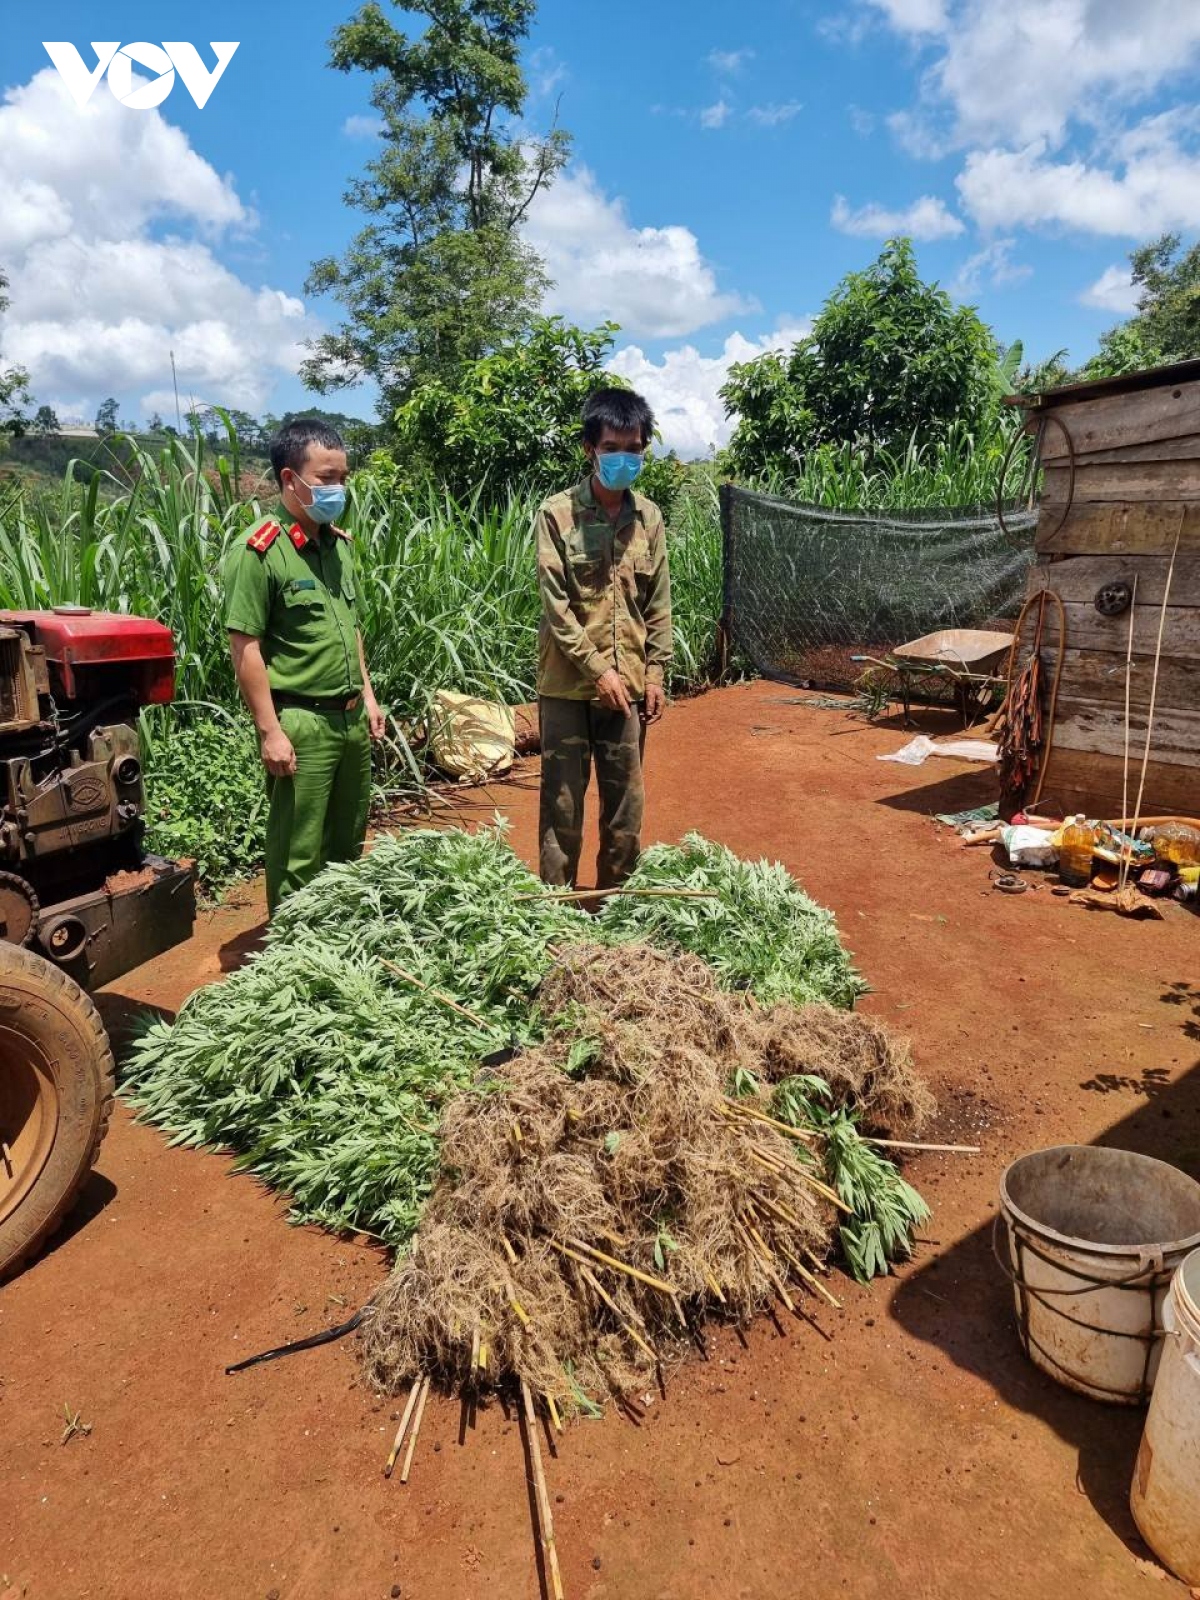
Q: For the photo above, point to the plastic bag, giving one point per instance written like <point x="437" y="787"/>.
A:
<point x="1028" y="847"/>
<point x="469" y="738"/>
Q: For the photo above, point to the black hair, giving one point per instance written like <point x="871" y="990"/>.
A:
<point x="622" y="410"/>
<point x="290" y="445"/>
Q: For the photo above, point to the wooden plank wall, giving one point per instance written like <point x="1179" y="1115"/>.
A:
<point x="1136" y="488"/>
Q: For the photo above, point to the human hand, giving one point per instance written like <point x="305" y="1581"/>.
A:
<point x="655" y="704"/>
<point x="612" y="693"/>
<point x="376" y="717"/>
<point x="278" y="753"/>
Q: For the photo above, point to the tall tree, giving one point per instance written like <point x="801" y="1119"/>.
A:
<point x="1166" y="325"/>
<point x="890" y="358"/>
<point x="14" y="383"/>
<point x="106" y="416"/>
<point x="441" y="273"/>
<point x="45" y="421"/>
<point x="1169" y="302"/>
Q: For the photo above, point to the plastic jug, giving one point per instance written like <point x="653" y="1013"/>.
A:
<point x="1177" y="843"/>
<point x="1076" y="844"/>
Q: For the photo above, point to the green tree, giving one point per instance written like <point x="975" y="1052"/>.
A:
<point x="1168" y="314"/>
<point x="440" y="275"/>
<point x="890" y="359"/>
<point x="1128" y="347"/>
<point x="512" y="420"/>
<point x="106" y="416"/>
<point x="45" y="421"/>
<point x="14" y="383"/>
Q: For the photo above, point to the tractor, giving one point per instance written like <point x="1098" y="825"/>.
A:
<point x="81" y="902"/>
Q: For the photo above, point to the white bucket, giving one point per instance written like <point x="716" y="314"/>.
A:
<point x="1094" y="1238"/>
<point x="1165" y="1498"/>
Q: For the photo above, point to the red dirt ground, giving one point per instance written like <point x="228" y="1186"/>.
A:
<point x="907" y="1450"/>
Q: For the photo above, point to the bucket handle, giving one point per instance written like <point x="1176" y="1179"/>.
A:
<point x="1148" y="1262"/>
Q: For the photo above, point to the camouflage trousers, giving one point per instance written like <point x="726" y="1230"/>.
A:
<point x="576" y="733"/>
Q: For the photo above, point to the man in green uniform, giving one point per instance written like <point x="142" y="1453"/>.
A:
<point x="604" y="645"/>
<point x="290" y="608"/>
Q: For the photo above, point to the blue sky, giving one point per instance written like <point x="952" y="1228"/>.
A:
<point x="730" y="164"/>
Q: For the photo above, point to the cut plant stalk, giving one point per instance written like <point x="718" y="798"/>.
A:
<point x="402" y="1429"/>
<point x="545" y="1515"/>
<point x="416" y="1429"/>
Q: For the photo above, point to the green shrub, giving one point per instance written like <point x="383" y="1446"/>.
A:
<point x="205" y="795"/>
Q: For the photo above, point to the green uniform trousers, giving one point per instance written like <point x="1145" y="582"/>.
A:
<point x="574" y="734"/>
<point x="320" y="814"/>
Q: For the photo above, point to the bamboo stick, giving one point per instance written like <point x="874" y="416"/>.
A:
<point x="906" y="1144"/>
<point x="400" y="1431"/>
<point x="508" y="1250"/>
<point x="810" y="1278"/>
<point x="519" y="1309"/>
<point x="545" y="1515"/>
<point x="590" y="1278"/>
<point x="800" y="1175"/>
<point x="620" y="1266"/>
<point x="712" y="1284"/>
<point x="604" y="894"/>
<point x="769" y="1264"/>
<point x="761" y="1116"/>
<point x="829" y="1194"/>
<point x="435" y="994"/>
<point x="554" y="1416"/>
<point x="416" y="1429"/>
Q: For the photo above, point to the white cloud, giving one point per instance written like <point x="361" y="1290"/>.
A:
<point x="715" y="116"/>
<point x="548" y="71"/>
<point x="926" y="218"/>
<point x="100" y="294"/>
<point x="1028" y="69"/>
<point x="863" y="122"/>
<point x="358" y="127"/>
<point x="913" y="16"/>
<point x="773" y="115"/>
<point x="1113" y="290"/>
<point x="653" y="281"/>
<point x="991" y="267"/>
<point x="1153" y="187"/>
<point x="729" y="62"/>
<point x="683" y="387"/>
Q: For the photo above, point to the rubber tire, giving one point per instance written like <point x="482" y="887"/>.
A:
<point x="59" y="1018"/>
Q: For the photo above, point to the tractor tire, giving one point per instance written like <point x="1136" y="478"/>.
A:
<point x="57" y="1081"/>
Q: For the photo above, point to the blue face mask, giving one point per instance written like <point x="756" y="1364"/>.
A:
<point x="619" y="469"/>
<point x="328" y="500"/>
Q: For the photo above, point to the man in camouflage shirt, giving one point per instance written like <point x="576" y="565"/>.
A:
<point x="604" y="644"/>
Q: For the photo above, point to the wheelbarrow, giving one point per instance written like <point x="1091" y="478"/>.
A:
<point x="967" y="658"/>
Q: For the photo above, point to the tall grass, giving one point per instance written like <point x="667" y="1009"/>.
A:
<point x="961" y="470"/>
<point x="448" y="588"/>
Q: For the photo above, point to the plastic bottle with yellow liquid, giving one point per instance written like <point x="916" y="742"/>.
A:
<point x="1177" y="843"/>
<point x="1076" y="844"/>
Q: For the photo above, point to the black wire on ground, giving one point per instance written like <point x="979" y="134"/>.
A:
<point x="313" y="1342"/>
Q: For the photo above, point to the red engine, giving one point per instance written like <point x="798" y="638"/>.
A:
<point x="72" y="682"/>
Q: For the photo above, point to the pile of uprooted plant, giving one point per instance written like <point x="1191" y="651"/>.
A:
<point x="585" y="1136"/>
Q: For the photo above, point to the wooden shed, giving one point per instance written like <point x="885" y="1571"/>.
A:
<point x="1121" y="485"/>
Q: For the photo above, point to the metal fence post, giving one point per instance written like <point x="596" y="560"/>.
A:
<point x="725" y="626"/>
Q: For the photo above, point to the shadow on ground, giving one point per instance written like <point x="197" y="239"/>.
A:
<point x="962" y="1303"/>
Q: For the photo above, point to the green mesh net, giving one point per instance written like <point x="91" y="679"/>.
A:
<point x="807" y="589"/>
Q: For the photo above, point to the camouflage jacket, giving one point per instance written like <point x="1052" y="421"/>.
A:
<point x="606" y="595"/>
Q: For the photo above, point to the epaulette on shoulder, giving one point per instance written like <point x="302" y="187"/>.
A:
<point x="263" y="537"/>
